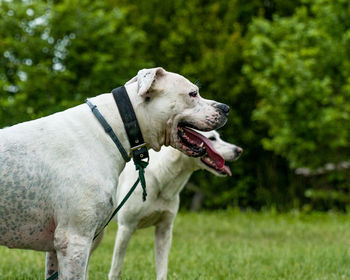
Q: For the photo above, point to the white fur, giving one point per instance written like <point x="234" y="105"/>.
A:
<point x="58" y="174"/>
<point x="166" y="175"/>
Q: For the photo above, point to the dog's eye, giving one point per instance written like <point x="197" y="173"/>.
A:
<point x="193" y="93"/>
<point x="212" y="138"/>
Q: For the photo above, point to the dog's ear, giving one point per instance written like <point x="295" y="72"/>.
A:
<point x="145" y="78"/>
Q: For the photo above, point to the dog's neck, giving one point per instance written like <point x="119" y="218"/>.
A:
<point x="173" y="169"/>
<point x="151" y="121"/>
<point x="150" y="129"/>
<point x="106" y="105"/>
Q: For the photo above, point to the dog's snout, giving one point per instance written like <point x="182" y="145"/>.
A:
<point x="224" y="108"/>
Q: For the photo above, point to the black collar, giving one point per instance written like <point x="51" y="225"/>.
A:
<point x="132" y="128"/>
<point x="137" y="144"/>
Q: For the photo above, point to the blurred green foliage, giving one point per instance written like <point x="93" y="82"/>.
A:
<point x="300" y="67"/>
<point x="282" y="66"/>
<point x="54" y="55"/>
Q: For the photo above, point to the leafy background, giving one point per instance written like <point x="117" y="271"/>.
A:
<point x="282" y="66"/>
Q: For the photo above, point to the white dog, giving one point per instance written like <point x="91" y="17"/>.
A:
<point x="58" y="174"/>
<point x="166" y="175"/>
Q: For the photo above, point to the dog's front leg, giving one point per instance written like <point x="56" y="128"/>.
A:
<point x="51" y="264"/>
<point x="163" y="236"/>
<point x="121" y="243"/>
<point x="73" y="251"/>
<point x="95" y="244"/>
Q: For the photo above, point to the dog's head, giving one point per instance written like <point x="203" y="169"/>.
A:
<point x="217" y="152"/>
<point x="168" y="106"/>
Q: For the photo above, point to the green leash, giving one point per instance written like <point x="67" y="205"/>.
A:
<point x="140" y="166"/>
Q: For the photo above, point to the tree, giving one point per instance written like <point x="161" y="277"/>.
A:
<point x="300" y="68"/>
<point x="55" y="55"/>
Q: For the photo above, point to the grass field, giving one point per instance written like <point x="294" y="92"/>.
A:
<point x="222" y="245"/>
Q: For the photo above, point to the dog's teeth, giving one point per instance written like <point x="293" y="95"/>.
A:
<point x="201" y="145"/>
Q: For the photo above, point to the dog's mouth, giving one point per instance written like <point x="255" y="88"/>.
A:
<point x="190" y="142"/>
<point x="215" y="161"/>
<point x="225" y="170"/>
<point x="197" y="145"/>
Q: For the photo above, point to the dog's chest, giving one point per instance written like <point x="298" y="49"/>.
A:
<point x="151" y="219"/>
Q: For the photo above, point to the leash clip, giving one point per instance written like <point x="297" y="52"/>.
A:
<point x="139" y="152"/>
<point x="138" y="147"/>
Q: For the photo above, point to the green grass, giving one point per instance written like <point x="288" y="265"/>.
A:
<point x="222" y="245"/>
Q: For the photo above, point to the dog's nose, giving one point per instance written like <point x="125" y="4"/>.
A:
<point x="224" y="108"/>
<point x="238" y="151"/>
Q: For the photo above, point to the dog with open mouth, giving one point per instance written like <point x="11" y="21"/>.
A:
<point x="59" y="174"/>
<point x="168" y="172"/>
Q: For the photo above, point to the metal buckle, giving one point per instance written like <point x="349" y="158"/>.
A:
<point x="138" y="147"/>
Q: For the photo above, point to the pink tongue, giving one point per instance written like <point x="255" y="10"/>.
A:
<point x="214" y="155"/>
<point x="227" y="170"/>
